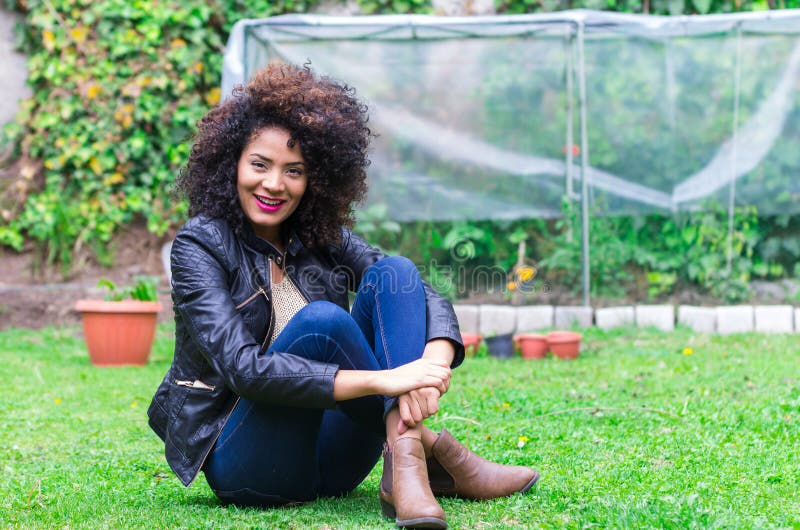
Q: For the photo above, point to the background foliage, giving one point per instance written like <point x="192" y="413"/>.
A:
<point x="118" y="86"/>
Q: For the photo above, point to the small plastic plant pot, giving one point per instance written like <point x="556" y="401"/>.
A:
<point x="501" y="346"/>
<point x="564" y="344"/>
<point x="531" y="345"/>
<point x="472" y="342"/>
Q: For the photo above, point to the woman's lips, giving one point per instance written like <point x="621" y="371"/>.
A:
<point x="268" y="204"/>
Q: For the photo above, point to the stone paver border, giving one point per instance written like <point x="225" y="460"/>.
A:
<point x="490" y="319"/>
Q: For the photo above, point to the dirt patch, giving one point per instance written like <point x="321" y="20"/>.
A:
<point x="33" y="296"/>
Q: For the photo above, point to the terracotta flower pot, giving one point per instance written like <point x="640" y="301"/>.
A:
<point x="472" y="342"/>
<point x="500" y="345"/>
<point x="118" y="333"/>
<point x="564" y="344"/>
<point x="531" y="345"/>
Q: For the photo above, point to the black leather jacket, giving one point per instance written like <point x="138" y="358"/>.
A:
<point x="223" y="316"/>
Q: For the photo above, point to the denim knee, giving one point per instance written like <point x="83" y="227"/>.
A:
<point x="324" y="317"/>
<point x="392" y="274"/>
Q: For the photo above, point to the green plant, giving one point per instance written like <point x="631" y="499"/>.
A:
<point x="373" y="224"/>
<point x="610" y="255"/>
<point x="144" y="289"/>
<point x="695" y="245"/>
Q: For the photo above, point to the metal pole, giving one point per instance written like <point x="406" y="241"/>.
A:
<point x="584" y="167"/>
<point x="570" y="141"/>
<point x="734" y="143"/>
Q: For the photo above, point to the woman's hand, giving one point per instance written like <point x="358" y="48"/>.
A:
<point x="417" y="406"/>
<point x="351" y="384"/>
<point x="414" y="375"/>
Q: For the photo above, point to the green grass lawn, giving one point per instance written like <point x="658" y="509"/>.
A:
<point x="644" y="430"/>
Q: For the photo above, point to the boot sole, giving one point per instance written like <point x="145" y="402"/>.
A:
<point x="419" y="522"/>
<point x="530" y="484"/>
<point x="451" y="493"/>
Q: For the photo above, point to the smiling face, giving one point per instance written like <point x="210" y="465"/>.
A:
<point x="271" y="181"/>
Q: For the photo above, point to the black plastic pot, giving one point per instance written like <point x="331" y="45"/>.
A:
<point x="500" y="345"/>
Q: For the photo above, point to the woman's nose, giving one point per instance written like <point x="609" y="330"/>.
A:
<point x="272" y="181"/>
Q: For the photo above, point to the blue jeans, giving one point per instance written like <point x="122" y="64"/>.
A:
<point x="270" y="455"/>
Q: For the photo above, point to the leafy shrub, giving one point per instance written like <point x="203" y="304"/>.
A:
<point x="117" y="89"/>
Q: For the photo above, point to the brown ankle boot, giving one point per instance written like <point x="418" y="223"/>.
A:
<point x="405" y="492"/>
<point x="454" y="470"/>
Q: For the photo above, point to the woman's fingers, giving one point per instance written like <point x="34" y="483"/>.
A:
<point x="407" y="413"/>
<point x="432" y="400"/>
<point x="417" y="374"/>
<point x="401" y="427"/>
<point x="416" y="410"/>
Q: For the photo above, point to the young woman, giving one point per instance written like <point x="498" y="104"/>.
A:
<point x="278" y="391"/>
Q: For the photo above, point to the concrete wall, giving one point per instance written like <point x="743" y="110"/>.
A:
<point x="13" y="72"/>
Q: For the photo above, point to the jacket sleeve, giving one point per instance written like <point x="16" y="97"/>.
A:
<point x="202" y="298"/>
<point x="355" y="256"/>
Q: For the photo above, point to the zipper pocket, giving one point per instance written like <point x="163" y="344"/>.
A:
<point x="252" y="297"/>
<point x="195" y="384"/>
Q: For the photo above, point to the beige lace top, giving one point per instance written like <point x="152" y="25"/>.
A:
<point x="287" y="300"/>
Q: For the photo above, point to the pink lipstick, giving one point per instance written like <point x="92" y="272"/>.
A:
<point x="269" y="204"/>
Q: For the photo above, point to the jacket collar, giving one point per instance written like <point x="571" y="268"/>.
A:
<point x="293" y="245"/>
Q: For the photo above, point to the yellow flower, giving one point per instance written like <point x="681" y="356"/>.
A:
<point x="688" y="351"/>
<point x="524" y="439"/>
<point x="114" y="178"/>
<point x="93" y="91"/>
<point x="212" y="98"/>
<point x="526" y="273"/>
<point x="506" y="405"/>
<point x="135" y="404"/>
<point x="78" y="34"/>
<point x="57" y="400"/>
<point x="95" y="165"/>
<point x="49" y="39"/>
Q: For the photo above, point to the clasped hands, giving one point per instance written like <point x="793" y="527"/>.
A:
<point x="431" y="379"/>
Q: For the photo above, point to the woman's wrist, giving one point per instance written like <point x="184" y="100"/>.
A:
<point x="352" y="384"/>
<point x="440" y="349"/>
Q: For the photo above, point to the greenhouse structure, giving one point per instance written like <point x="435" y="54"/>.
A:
<point x="523" y="116"/>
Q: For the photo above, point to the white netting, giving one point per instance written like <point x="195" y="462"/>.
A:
<point x="472" y="113"/>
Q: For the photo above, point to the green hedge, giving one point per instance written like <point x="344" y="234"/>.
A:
<point x="118" y="86"/>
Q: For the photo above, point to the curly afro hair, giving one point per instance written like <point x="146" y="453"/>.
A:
<point x="321" y="115"/>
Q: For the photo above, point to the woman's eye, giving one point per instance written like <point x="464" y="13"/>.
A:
<point x="259" y="165"/>
<point x="294" y="172"/>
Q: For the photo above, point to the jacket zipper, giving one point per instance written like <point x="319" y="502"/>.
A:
<point x="271" y="325"/>
<point x="249" y="299"/>
<point x="264" y="346"/>
<point x="205" y="457"/>
<point x="252" y="297"/>
<point x="195" y="384"/>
